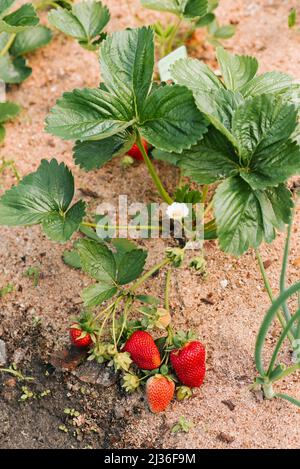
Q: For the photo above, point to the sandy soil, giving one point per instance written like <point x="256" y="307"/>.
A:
<point x="228" y="326"/>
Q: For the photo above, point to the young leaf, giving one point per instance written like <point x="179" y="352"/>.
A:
<point x="12" y="70"/>
<point x="44" y="197"/>
<point x="21" y="19"/>
<point x="225" y="32"/>
<point x="292" y="18"/>
<point x="237" y="70"/>
<point x="131" y="266"/>
<point x="164" y="115"/>
<point x="85" y="22"/>
<point x="126" y="62"/>
<point x="189" y="9"/>
<point x="8" y="110"/>
<point x="30" y="40"/>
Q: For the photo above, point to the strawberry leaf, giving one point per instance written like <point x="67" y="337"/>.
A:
<point x="96" y="294"/>
<point x="21" y="19"/>
<point x="237" y="70"/>
<point x="30" y="39"/>
<point x="44" y="197"/>
<point x="98" y="261"/>
<point x="246" y="217"/>
<point x="126" y="103"/>
<point x="131" y="266"/>
<point x="94" y="154"/>
<point x="84" y="22"/>
<point x="13" y="70"/>
<point x="8" y="111"/>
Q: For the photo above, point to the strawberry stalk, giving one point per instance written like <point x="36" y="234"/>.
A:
<point x="156" y="179"/>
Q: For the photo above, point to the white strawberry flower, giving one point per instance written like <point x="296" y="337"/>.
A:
<point x="177" y="211"/>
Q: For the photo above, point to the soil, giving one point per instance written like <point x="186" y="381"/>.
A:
<point x="34" y="320"/>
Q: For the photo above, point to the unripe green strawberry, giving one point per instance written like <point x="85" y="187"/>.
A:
<point x="143" y="350"/>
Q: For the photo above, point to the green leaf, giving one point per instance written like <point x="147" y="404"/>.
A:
<point x="5" y="5"/>
<point x="205" y="20"/>
<point x="2" y="133"/>
<point x="172" y="6"/>
<point x="212" y="159"/>
<point x="225" y="32"/>
<point x="267" y="83"/>
<point x="96" y="294"/>
<point x="60" y="227"/>
<point x="260" y="123"/>
<point x="66" y="22"/>
<point x="94" y="154"/>
<point x="85" y="22"/>
<point x="8" y="110"/>
<point x="127" y="61"/>
<point x="131" y="266"/>
<point x="13" y="70"/>
<point x="30" y="40"/>
<point x="184" y="8"/>
<point x="20" y="19"/>
<point x="92" y="15"/>
<point x="195" y="9"/>
<point x="237" y="70"/>
<point x="170" y="158"/>
<point x="246" y="217"/>
<point x="292" y="18"/>
<point x="98" y="261"/>
<point x="122" y="246"/>
<point x="171" y="120"/>
<point x="195" y="75"/>
<point x="44" y="197"/>
<point x="72" y="259"/>
<point x="87" y="114"/>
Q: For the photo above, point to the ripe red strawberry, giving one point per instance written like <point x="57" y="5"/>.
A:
<point x="135" y="152"/>
<point x="189" y="363"/>
<point x="82" y="330"/>
<point x="79" y="338"/>
<point x="143" y="350"/>
<point x="159" y="392"/>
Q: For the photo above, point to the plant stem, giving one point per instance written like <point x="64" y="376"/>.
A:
<point x="285" y="308"/>
<point x="120" y="227"/>
<point x="270" y="292"/>
<point x="162" y="191"/>
<point x="170" y="43"/>
<point x="167" y="290"/>
<point x="126" y="309"/>
<point x="8" y="44"/>
<point x="204" y="193"/>
<point x="149" y="273"/>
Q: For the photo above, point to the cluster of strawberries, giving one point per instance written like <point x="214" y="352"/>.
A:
<point x="186" y="356"/>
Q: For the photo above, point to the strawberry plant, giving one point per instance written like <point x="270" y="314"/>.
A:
<point x="20" y="34"/>
<point x="128" y="106"/>
<point x="8" y="111"/>
<point x="196" y="13"/>
<point x="249" y="149"/>
<point x="84" y="21"/>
